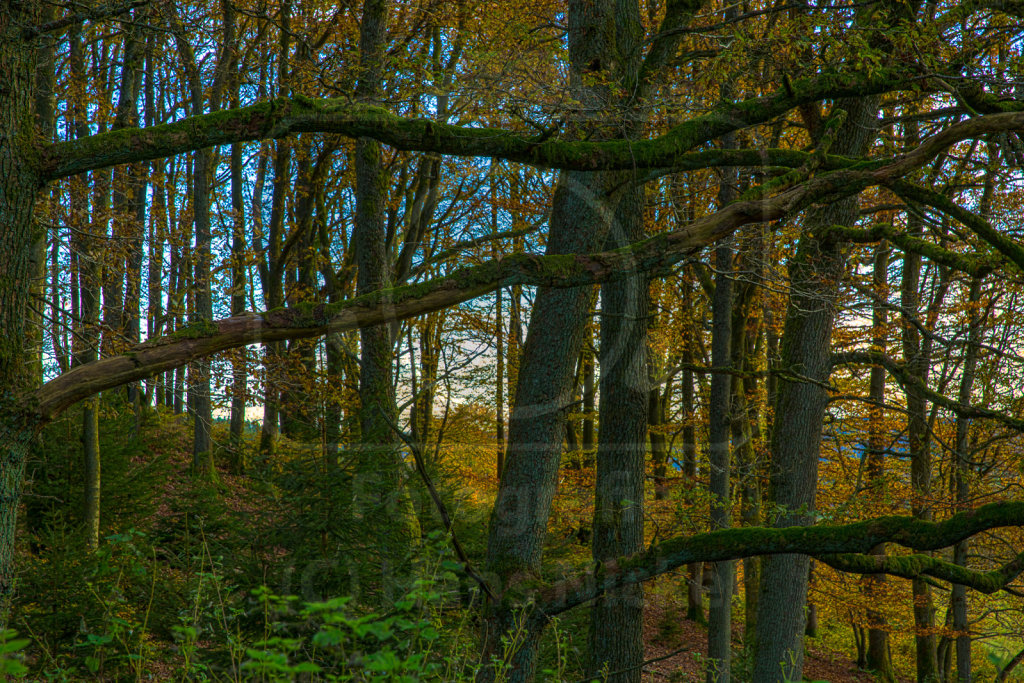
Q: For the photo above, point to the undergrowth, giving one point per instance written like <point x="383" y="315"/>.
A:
<point x="259" y="577"/>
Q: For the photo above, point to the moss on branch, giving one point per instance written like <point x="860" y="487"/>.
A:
<point x="843" y="544"/>
<point x="920" y="566"/>
<point x="972" y="264"/>
<point x="981" y="227"/>
<point x="283" y="116"/>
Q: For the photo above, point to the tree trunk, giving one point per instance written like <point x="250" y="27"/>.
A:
<point x="657" y="406"/>
<point x="695" y="571"/>
<point x="124" y="228"/>
<point x="138" y="174"/>
<point x="920" y="459"/>
<point x="499" y="340"/>
<point x="961" y="478"/>
<point x="800" y="410"/>
<point x="385" y="507"/>
<point x="582" y="208"/>
<point x="199" y="401"/>
<point x="616" y="619"/>
<point x="588" y="405"/>
<point x="271" y="267"/>
<point x="84" y="243"/>
<point x="719" y="418"/>
<point x="811" y="629"/>
<point x="746" y="432"/>
<point x="536" y="426"/>
<point x="19" y="183"/>
<point x="44" y="114"/>
<point x="877" y="655"/>
<point x="239" y="363"/>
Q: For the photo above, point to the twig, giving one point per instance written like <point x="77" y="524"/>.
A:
<point x="640" y="665"/>
<point x="467" y="566"/>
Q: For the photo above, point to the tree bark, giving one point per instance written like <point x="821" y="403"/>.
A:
<point x="719" y="454"/>
<point x="800" y="410"/>
<point x="917" y="360"/>
<point x="543" y="391"/>
<point x="239" y="363"/>
<point x="385" y="507"/>
<point x="695" y="572"/>
<point x="961" y="479"/>
<point x="200" y="404"/>
<point x="877" y="656"/>
<point x="86" y="347"/>
<point x="657" y="407"/>
<point x="19" y="183"/>
<point x="745" y="426"/>
<point x="271" y="266"/>
<point x="616" y="619"/>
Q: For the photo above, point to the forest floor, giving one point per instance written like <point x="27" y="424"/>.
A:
<point x="686" y="644"/>
<point x="682" y="645"/>
<point x="678" y="645"/>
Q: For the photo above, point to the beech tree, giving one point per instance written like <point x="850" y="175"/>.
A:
<point x="607" y="136"/>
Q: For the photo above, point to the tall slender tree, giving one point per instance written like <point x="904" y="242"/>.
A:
<point x="800" y="405"/>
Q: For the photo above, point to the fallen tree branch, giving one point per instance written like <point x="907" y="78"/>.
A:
<point x="981" y="227"/>
<point x="972" y="264"/>
<point x="89" y="14"/>
<point x="198" y="340"/>
<point x="1010" y="666"/>
<point x="918" y="566"/>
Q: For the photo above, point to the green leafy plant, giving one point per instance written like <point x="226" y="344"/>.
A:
<point x="11" y="665"/>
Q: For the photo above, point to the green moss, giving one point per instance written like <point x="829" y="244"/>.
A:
<point x="522" y="594"/>
<point x="194" y="330"/>
<point x="558" y="265"/>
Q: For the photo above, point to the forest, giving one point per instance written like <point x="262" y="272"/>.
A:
<point x="533" y="340"/>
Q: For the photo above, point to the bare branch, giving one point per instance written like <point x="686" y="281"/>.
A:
<point x="900" y="373"/>
<point x="88" y="14"/>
